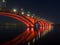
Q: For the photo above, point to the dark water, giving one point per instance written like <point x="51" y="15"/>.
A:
<point x="10" y="31"/>
<point x="52" y="38"/>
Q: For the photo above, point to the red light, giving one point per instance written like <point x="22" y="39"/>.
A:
<point x="28" y="30"/>
<point x="32" y="29"/>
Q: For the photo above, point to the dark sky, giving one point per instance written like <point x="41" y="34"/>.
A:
<point x="49" y="10"/>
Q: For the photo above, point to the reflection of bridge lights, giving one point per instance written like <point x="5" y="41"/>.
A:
<point x="28" y="29"/>
<point x="45" y="32"/>
<point x="32" y="29"/>
<point x="33" y="40"/>
<point x="37" y="38"/>
<point x="28" y="43"/>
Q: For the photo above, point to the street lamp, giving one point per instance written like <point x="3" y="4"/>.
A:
<point x="15" y="10"/>
<point x="22" y="11"/>
<point x="28" y="13"/>
<point x="33" y="15"/>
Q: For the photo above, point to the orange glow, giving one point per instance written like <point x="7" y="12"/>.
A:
<point x="30" y="36"/>
<point x="41" y="26"/>
<point x="28" y="30"/>
<point x="39" y="32"/>
<point x="32" y="29"/>
<point x="50" y="26"/>
<point x="20" y="37"/>
<point x="29" y="33"/>
<point x="27" y="21"/>
<point x="46" y="26"/>
<point x="31" y="19"/>
<point x="15" y="16"/>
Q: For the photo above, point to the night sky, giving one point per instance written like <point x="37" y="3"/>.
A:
<point x="49" y="10"/>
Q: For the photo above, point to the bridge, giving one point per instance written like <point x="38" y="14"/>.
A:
<point x="35" y="28"/>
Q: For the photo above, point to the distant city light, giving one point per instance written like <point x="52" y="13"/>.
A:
<point x="28" y="13"/>
<point x="3" y="0"/>
<point x="22" y="13"/>
<point x="21" y="9"/>
<point x="33" y="15"/>
<point x="14" y="10"/>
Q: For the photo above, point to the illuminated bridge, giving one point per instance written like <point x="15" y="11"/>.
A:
<point x="18" y="29"/>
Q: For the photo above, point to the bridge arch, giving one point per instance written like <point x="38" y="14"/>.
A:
<point x="15" y="16"/>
